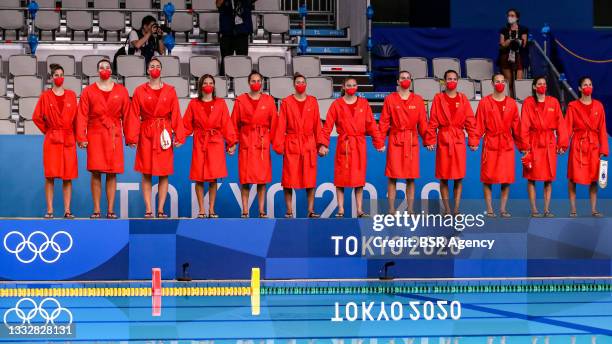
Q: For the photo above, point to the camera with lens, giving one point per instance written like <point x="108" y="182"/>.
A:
<point x="515" y="41"/>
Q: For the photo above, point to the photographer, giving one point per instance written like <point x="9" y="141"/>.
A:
<point x="235" y="26"/>
<point x="148" y="40"/>
<point x="512" y="41"/>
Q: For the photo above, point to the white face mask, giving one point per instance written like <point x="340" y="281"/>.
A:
<point x="512" y="20"/>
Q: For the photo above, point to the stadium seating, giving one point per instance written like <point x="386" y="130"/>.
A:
<point x="171" y="66"/>
<point x="281" y="87"/>
<point x="487" y="88"/>
<point x="479" y="69"/>
<point x="308" y="66"/>
<point x="66" y="61"/>
<point x="417" y="66"/>
<point x="27" y="86"/>
<point x="130" y="65"/>
<point x="426" y="87"/>
<point x="23" y="65"/>
<point x="200" y="65"/>
<point x="272" y="66"/>
<point x="89" y="65"/>
<point x="238" y="66"/>
<point x="522" y="88"/>
<point x="11" y="19"/>
<point x="442" y="64"/>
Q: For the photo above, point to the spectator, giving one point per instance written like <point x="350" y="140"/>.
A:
<point x="512" y="41"/>
<point x="146" y="41"/>
<point x="235" y="26"/>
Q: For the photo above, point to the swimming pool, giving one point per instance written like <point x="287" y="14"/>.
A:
<point x="509" y="317"/>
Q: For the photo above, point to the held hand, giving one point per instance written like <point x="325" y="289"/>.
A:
<point x="82" y="145"/>
<point x="524" y="152"/>
<point x="473" y="148"/>
<point x="560" y="151"/>
<point x="177" y="144"/>
<point x="323" y="151"/>
<point x="231" y="150"/>
<point x="382" y="149"/>
<point x="431" y="147"/>
<point x="132" y="145"/>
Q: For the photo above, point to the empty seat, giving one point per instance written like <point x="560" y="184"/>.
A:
<point x="79" y="21"/>
<point x="442" y="64"/>
<point x="209" y="23"/>
<point x="272" y="66"/>
<point x="308" y="66"/>
<point x="47" y="20"/>
<point x="519" y="105"/>
<point x="275" y="23"/>
<point x="182" y="22"/>
<point x="221" y="86"/>
<point x="131" y="82"/>
<point x="238" y="66"/>
<point x="203" y="5"/>
<point x="130" y="65"/>
<point x="74" y="84"/>
<point x="267" y="5"/>
<point x="6" y="126"/>
<point x="171" y="65"/>
<point x="479" y="69"/>
<point x="23" y="65"/>
<point x="178" y="4"/>
<point x="324" y="105"/>
<point x="230" y="104"/>
<point x="106" y="4"/>
<point x="30" y="128"/>
<point x="113" y="21"/>
<point x="200" y="65"/>
<point x="11" y="19"/>
<point x="486" y="88"/>
<point x="27" y="86"/>
<point x="66" y="61"/>
<point x="281" y="87"/>
<point x="467" y="87"/>
<point x="417" y="66"/>
<point x="138" y="4"/>
<point x="89" y="64"/>
<point x="522" y="88"/>
<point x="5" y="108"/>
<point x="183" y="103"/>
<point x="2" y="86"/>
<point x="79" y="4"/>
<point x="180" y="85"/>
<point x="241" y="85"/>
<point x="426" y="87"/>
<point x="320" y="87"/>
<point x="136" y="18"/>
<point x="27" y="106"/>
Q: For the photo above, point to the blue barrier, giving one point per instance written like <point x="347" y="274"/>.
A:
<point x="229" y="248"/>
<point x="23" y="191"/>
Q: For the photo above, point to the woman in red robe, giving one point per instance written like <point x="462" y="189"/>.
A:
<point x="497" y="119"/>
<point x="353" y="119"/>
<point x="154" y="126"/>
<point x="254" y="117"/>
<point x="207" y="117"/>
<point x="586" y="125"/>
<point x="543" y="136"/>
<point x="450" y="117"/>
<point x="55" y="116"/>
<point x="403" y="118"/>
<point x="296" y="137"/>
<point x="103" y="108"/>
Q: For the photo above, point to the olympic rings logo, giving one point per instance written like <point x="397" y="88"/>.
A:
<point x="28" y="244"/>
<point x="26" y="315"/>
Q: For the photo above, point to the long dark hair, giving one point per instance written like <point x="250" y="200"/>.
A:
<point x="535" y="82"/>
<point x="201" y="83"/>
<point x="54" y="67"/>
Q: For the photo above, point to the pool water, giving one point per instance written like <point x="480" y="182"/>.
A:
<point x="581" y="317"/>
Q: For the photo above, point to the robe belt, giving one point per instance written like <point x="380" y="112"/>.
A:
<point x="111" y="125"/>
<point x="204" y="135"/>
<point x="503" y="136"/>
<point x="260" y="131"/>
<point x="356" y="139"/>
<point x="582" y="136"/>
<point x="153" y="129"/>
<point x="301" y="138"/>
<point x="401" y="134"/>
<point x="451" y="132"/>
<point x="62" y="136"/>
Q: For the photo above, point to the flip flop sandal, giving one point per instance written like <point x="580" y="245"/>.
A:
<point x="244" y="215"/>
<point x="339" y="215"/>
<point x="537" y="214"/>
<point x="597" y="214"/>
<point x="148" y="215"/>
<point x="313" y="215"/>
<point x="162" y="215"/>
<point x="213" y="216"/>
<point x="362" y="215"/>
<point x="505" y="214"/>
<point x="263" y="215"/>
<point x="549" y="214"/>
<point x="491" y="215"/>
<point x="111" y="216"/>
<point x="48" y="216"/>
<point x="289" y="215"/>
<point x="95" y="216"/>
<point x="68" y="215"/>
<point x="201" y="216"/>
<point x="573" y="214"/>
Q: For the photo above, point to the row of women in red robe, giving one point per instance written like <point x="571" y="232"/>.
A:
<point x="152" y="123"/>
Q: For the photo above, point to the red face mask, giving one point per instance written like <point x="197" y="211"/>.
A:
<point x="105" y="74"/>
<point x="155" y="73"/>
<point x="300" y="88"/>
<point x="541" y="89"/>
<point x="587" y="90"/>
<point x="58" y="81"/>
<point x="255" y="87"/>
<point x="500" y="87"/>
<point x="351" y="91"/>
<point x="405" y="84"/>
<point x="208" y="89"/>
<point x="451" y="85"/>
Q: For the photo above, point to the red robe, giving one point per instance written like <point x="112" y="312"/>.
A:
<point x="351" y="159"/>
<point x="542" y="133"/>
<point x="99" y="123"/>
<point x="254" y="127"/>
<point x="402" y="120"/>
<point x="449" y="132"/>
<point x="500" y="130"/>
<point x="208" y="154"/>
<point x="589" y="141"/>
<point x="296" y="138"/>
<point x="149" y="116"/>
<point x="59" y="148"/>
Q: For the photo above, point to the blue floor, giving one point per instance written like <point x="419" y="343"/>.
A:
<point x="485" y="318"/>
